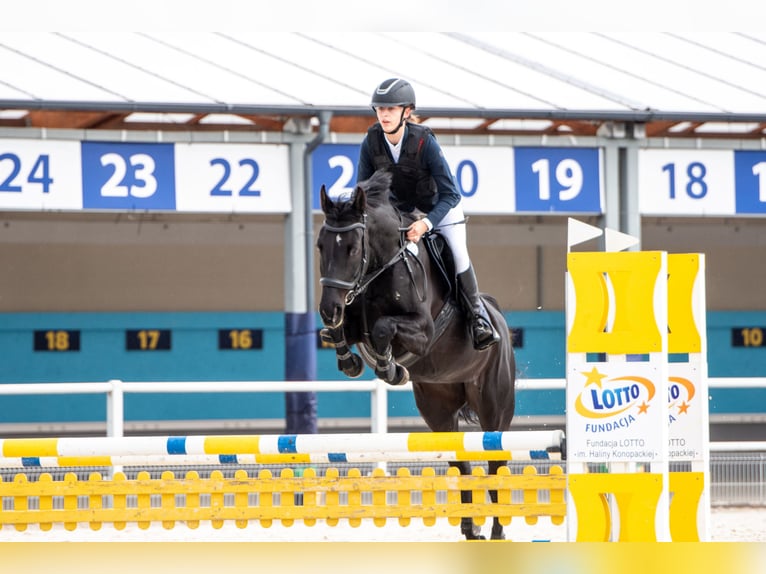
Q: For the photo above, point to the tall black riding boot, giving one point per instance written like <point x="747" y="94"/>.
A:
<point x="482" y="330"/>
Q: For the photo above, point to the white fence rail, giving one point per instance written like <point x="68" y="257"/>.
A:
<point x="116" y="390"/>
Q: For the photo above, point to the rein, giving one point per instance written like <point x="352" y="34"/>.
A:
<point x="361" y="286"/>
<point x="362" y="279"/>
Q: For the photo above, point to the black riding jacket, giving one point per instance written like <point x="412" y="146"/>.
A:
<point x="421" y="178"/>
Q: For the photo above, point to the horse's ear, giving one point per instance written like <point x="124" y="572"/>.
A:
<point x="359" y="199"/>
<point x="324" y="199"/>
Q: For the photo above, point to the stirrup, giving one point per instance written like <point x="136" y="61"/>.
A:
<point x="483" y="341"/>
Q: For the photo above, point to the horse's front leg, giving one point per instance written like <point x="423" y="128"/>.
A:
<point x="411" y="332"/>
<point x="348" y="362"/>
<point x="386" y="369"/>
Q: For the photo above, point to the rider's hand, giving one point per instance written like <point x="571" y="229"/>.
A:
<point x="416" y="230"/>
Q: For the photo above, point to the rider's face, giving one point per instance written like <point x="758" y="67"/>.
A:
<point x="389" y="116"/>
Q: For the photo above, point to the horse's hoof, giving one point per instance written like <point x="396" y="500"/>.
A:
<point x="474" y="537"/>
<point x="402" y="376"/>
<point x="352" y="367"/>
<point x="498" y="536"/>
<point x="386" y="373"/>
<point x="471" y="532"/>
<point x="394" y="375"/>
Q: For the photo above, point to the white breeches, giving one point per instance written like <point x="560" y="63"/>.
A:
<point x="456" y="236"/>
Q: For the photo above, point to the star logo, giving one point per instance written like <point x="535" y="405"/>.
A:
<point x="643" y="408"/>
<point x="684" y="408"/>
<point x="594" y="377"/>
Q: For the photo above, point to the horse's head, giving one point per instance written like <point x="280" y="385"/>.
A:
<point x="342" y="252"/>
<point x="358" y="231"/>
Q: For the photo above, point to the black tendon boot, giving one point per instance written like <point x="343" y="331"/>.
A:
<point x="482" y="330"/>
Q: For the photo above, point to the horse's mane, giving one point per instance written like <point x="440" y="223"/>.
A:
<point x="383" y="217"/>
<point x="373" y="196"/>
<point x="377" y="188"/>
<point x="376" y="191"/>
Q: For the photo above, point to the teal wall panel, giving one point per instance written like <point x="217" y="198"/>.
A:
<point x="195" y="356"/>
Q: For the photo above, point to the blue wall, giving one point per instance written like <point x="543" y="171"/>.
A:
<point x="195" y="356"/>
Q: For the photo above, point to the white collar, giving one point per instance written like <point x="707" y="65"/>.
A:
<point x="396" y="150"/>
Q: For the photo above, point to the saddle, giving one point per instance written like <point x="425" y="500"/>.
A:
<point x="441" y="255"/>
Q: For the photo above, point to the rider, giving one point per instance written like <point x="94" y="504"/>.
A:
<point x="422" y="180"/>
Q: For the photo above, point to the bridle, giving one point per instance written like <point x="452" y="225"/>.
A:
<point x="353" y="286"/>
<point x="362" y="279"/>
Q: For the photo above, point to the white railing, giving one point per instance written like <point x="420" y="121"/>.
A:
<point x="116" y="390"/>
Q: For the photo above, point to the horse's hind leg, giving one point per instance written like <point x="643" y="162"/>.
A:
<point x="470" y="530"/>
<point x="439" y="406"/>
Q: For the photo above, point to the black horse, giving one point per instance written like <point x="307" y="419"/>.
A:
<point x="394" y="302"/>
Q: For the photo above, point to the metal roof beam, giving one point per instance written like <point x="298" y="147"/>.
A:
<point x="306" y="110"/>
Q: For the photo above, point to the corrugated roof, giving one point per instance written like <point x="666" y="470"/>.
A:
<point x="555" y="77"/>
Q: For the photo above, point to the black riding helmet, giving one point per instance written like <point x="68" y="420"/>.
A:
<point x="393" y="92"/>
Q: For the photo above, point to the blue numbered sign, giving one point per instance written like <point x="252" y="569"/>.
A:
<point x="334" y="166"/>
<point x="558" y="180"/>
<point x="128" y="176"/>
<point x="750" y="177"/>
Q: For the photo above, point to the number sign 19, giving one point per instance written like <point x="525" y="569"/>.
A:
<point x="564" y="180"/>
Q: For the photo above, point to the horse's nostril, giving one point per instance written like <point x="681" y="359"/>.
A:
<point x="332" y="315"/>
<point x="337" y="315"/>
